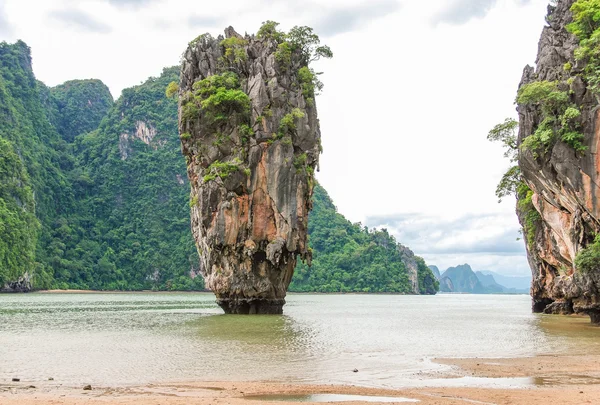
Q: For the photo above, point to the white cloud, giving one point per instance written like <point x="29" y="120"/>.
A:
<point x="349" y="18"/>
<point x="462" y="11"/>
<point x="5" y="26"/>
<point x="79" y="20"/>
<point x="485" y="241"/>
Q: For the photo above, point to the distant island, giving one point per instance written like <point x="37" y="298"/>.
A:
<point x="462" y="279"/>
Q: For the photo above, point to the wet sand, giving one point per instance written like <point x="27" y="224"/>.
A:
<point x="553" y="379"/>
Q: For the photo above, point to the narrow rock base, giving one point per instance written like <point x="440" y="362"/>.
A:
<point x="595" y="317"/>
<point x="249" y="306"/>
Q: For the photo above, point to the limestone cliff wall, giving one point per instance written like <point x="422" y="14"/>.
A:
<point x="251" y="187"/>
<point x="565" y="182"/>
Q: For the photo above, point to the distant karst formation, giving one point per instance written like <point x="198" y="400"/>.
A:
<point x="250" y="135"/>
<point x="462" y="279"/>
<point x="559" y="148"/>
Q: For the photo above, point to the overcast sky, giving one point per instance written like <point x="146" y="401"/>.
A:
<point x="412" y="90"/>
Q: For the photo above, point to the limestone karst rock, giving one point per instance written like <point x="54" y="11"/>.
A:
<point x="561" y="211"/>
<point x="250" y="134"/>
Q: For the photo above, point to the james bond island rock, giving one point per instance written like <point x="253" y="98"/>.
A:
<point x="559" y="162"/>
<point x="250" y="135"/>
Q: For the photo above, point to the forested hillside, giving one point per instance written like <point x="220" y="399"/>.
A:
<point x="78" y="106"/>
<point x="351" y="258"/>
<point x="132" y="227"/>
<point x="33" y="162"/>
<point x="94" y="195"/>
<point x="110" y="209"/>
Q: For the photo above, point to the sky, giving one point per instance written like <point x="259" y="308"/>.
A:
<point x="410" y="95"/>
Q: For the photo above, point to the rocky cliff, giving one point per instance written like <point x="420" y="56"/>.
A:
<point x="250" y="134"/>
<point x="559" y="146"/>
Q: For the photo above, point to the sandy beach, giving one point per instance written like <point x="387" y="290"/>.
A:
<point x="563" y="380"/>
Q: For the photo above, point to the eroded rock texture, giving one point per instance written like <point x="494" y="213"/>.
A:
<point x="251" y="189"/>
<point x="565" y="183"/>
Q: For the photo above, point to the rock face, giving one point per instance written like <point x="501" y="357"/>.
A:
<point x="250" y="163"/>
<point x="21" y="285"/>
<point x="409" y="259"/>
<point x="564" y="183"/>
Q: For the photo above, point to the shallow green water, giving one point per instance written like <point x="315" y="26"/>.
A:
<point x="120" y="339"/>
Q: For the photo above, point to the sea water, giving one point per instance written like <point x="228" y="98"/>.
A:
<point x="116" y="339"/>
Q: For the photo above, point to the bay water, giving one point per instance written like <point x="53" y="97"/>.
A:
<point x="119" y="339"/>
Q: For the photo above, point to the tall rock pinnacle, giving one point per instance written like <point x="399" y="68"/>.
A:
<point x="559" y="148"/>
<point x="250" y="135"/>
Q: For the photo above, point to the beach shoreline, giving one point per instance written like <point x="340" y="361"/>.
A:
<point x="564" y="379"/>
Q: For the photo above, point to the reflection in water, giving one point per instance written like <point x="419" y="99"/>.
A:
<point x="249" y="343"/>
<point x="574" y="334"/>
<point x="274" y="331"/>
<point x="120" y="339"/>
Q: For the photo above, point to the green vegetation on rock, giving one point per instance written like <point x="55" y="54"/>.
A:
<point x="512" y="182"/>
<point x="221" y="169"/>
<point x="110" y="210"/>
<point x="428" y="282"/>
<point x="220" y="98"/>
<point x="560" y="117"/>
<point x="303" y="41"/>
<point x="588" y="259"/>
<point x="506" y="133"/>
<point x="530" y="217"/>
<point x="586" y="27"/>
<point x="80" y="106"/>
<point x="18" y="224"/>
<point x="132" y="224"/>
<point x="34" y="158"/>
<point x="234" y="50"/>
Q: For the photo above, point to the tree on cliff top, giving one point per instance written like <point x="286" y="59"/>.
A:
<point x="506" y="134"/>
<point x="300" y="38"/>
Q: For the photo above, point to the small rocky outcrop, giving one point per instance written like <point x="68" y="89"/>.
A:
<point x="21" y="285"/>
<point x="560" y="212"/>
<point x="250" y="135"/>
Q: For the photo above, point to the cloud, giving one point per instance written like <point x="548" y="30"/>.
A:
<point x="506" y="265"/>
<point x="5" y="27"/>
<point x="485" y="241"/>
<point x="132" y="3"/>
<point x="344" y="19"/>
<point x="79" y="20"/>
<point x="459" y="12"/>
<point x="483" y="233"/>
<point x="201" y="21"/>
